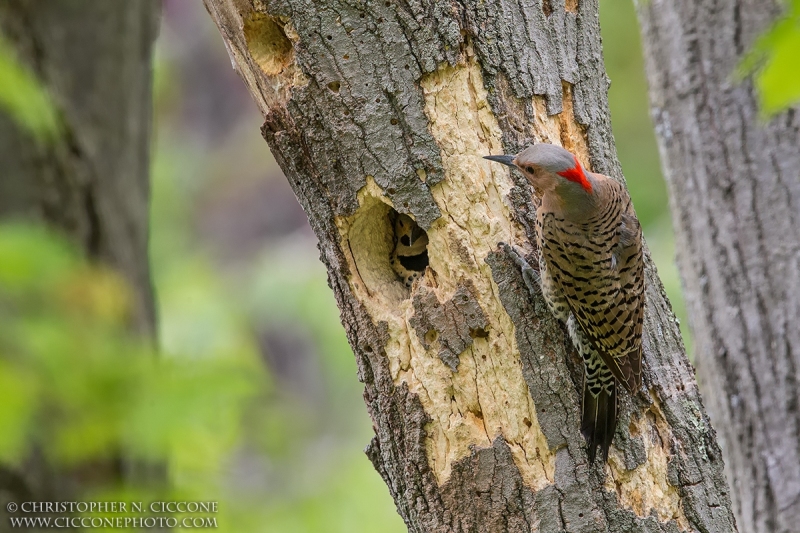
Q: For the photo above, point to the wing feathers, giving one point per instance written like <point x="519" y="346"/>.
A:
<point x="598" y="267"/>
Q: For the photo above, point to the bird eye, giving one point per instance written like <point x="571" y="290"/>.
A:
<point x="529" y="169"/>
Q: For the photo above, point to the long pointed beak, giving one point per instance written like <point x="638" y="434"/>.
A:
<point x="505" y="159"/>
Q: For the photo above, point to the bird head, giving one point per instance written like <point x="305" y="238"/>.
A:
<point x="548" y="168"/>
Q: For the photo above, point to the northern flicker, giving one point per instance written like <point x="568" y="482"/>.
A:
<point x="410" y="255"/>
<point x="591" y="275"/>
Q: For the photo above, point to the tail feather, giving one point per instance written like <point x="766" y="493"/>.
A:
<point x="599" y="419"/>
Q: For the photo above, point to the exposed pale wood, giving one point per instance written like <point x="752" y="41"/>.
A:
<point x="370" y="106"/>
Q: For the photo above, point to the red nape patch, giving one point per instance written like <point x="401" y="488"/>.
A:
<point x="576" y="174"/>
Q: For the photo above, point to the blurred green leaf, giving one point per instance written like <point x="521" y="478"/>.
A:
<point x="32" y="258"/>
<point x="17" y="408"/>
<point x="348" y="498"/>
<point x="24" y="98"/>
<point x="78" y="385"/>
<point x="775" y="57"/>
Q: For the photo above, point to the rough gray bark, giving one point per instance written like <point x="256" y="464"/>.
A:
<point x="735" y="187"/>
<point x="371" y="106"/>
<point x="91" y="183"/>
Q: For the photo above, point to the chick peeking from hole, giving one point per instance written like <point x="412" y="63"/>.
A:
<point x="410" y="255"/>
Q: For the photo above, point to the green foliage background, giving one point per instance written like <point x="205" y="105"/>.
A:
<point x="253" y="399"/>
<point x="775" y="58"/>
<point x="22" y="97"/>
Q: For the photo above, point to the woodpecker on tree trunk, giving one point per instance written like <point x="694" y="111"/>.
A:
<point x="591" y="274"/>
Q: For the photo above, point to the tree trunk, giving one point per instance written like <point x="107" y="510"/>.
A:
<point x="471" y="384"/>
<point x="95" y="59"/>
<point x="735" y="188"/>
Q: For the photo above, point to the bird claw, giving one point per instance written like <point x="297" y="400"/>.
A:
<point x="529" y="275"/>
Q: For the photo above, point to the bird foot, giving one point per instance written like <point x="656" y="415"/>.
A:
<point x="531" y="277"/>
